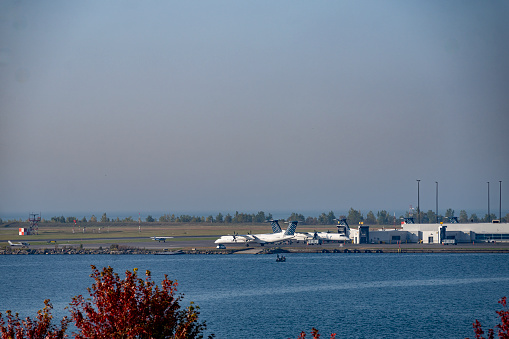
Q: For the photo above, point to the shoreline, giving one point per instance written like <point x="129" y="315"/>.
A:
<point x="349" y="249"/>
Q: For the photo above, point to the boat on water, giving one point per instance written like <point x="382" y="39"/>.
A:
<point x="280" y="258"/>
<point x="170" y="252"/>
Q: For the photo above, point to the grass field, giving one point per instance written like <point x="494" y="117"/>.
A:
<point x="190" y="236"/>
<point x="96" y="231"/>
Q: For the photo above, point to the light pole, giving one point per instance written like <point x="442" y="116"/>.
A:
<point x="436" y="182"/>
<point x="489" y="217"/>
<point x="500" y="202"/>
<point x="418" y="202"/>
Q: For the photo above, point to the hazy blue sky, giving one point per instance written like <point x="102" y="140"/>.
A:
<point x="220" y="106"/>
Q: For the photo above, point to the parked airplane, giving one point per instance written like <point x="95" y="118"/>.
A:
<point x="236" y="238"/>
<point x="163" y="239"/>
<point x="343" y="234"/>
<point x="22" y="244"/>
<point x="261" y="239"/>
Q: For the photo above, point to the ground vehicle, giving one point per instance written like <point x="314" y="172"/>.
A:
<point x="449" y="242"/>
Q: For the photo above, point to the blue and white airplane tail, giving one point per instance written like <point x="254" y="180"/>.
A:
<point x="343" y="227"/>
<point x="275" y="226"/>
<point x="291" y="228"/>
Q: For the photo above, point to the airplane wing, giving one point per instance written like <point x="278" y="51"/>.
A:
<point x="302" y="236"/>
<point x="254" y="238"/>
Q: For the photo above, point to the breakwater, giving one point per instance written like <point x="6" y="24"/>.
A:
<point x="118" y="251"/>
<point x="124" y="250"/>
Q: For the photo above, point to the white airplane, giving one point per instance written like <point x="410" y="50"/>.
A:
<point x="163" y="239"/>
<point x="343" y="234"/>
<point x="22" y="244"/>
<point x="261" y="239"/>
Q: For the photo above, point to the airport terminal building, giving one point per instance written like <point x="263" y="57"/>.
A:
<point x="443" y="233"/>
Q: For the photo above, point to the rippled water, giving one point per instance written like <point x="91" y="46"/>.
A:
<point x="252" y="296"/>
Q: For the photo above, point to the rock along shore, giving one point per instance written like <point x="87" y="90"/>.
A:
<point x="124" y="250"/>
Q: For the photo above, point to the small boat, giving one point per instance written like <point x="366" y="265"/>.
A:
<point x="169" y="252"/>
<point x="280" y="258"/>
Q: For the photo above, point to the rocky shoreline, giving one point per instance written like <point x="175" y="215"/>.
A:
<point x="121" y="250"/>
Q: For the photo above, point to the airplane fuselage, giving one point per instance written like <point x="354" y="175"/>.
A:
<point x="277" y="235"/>
<point x="253" y="238"/>
<point x="21" y="244"/>
<point x="324" y="236"/>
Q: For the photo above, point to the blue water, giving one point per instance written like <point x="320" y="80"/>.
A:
<point x="241" y="296"/>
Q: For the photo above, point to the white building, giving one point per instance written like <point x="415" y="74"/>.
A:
<point x="470" y="232"/>
<point x="433" y="233"/>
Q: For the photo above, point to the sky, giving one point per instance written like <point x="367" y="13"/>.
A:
<point x="277" y="106"/>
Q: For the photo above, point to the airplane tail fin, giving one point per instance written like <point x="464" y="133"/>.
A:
<point x="291" y="228"/>
<point x="10" y="242"/>
<point x="343" y="227"/>
<point x="275" y="226"/>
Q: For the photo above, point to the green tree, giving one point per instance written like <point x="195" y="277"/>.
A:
<point x="474" y="218"/>
<point x="382" y="217"/>
<point x="259" y="217"/>
<point x="297" y="217"/>
<point x="354" y="217"/>
<point x="331" y="218"/>
<point x="197" y="219"/>
<point x="322" y="219"/>
<point x="489" y="218"/>
<point x="184" y="218"/>
<point x="424" y="218"/>
<point x="463" y="218"/>
<point x="449" y="213"/>
<point x="370" y="218"/>
<point x="268" y="217"/>
<point x="104" y="218"/>
<point x="219" y="217"/>
<point x="431" y="217"/>
<point x="242" y="217"/>
<point x="149" y="219"/>
<point x="210" y="219"/>
<point x="165" y="218"/>
<point x="60" y="219"/>
<point x="84" y="219"/>
<point x="311" y="221"/>
<point x="228" y="219"/>
<point x="93" y="218"/>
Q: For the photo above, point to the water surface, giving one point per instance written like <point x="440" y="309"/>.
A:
<point x="354" y="295"/>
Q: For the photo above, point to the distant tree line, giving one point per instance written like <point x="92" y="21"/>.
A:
<point x="353" y="217"/>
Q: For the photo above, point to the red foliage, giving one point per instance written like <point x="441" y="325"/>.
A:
<point x="503" y="327"/>
<point x="315" y="334"/>
<point x="39" y="328"/>
<point x="133" y="308"/>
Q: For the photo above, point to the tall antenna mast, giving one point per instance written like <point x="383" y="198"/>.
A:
<point x="34" y="221"/>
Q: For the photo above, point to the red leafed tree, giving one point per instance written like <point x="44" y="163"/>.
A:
<point x="315" y="334"/>
<point x="503" y="327"/>
<point x="133" y="308"/>
<point x="38" y="328"/>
